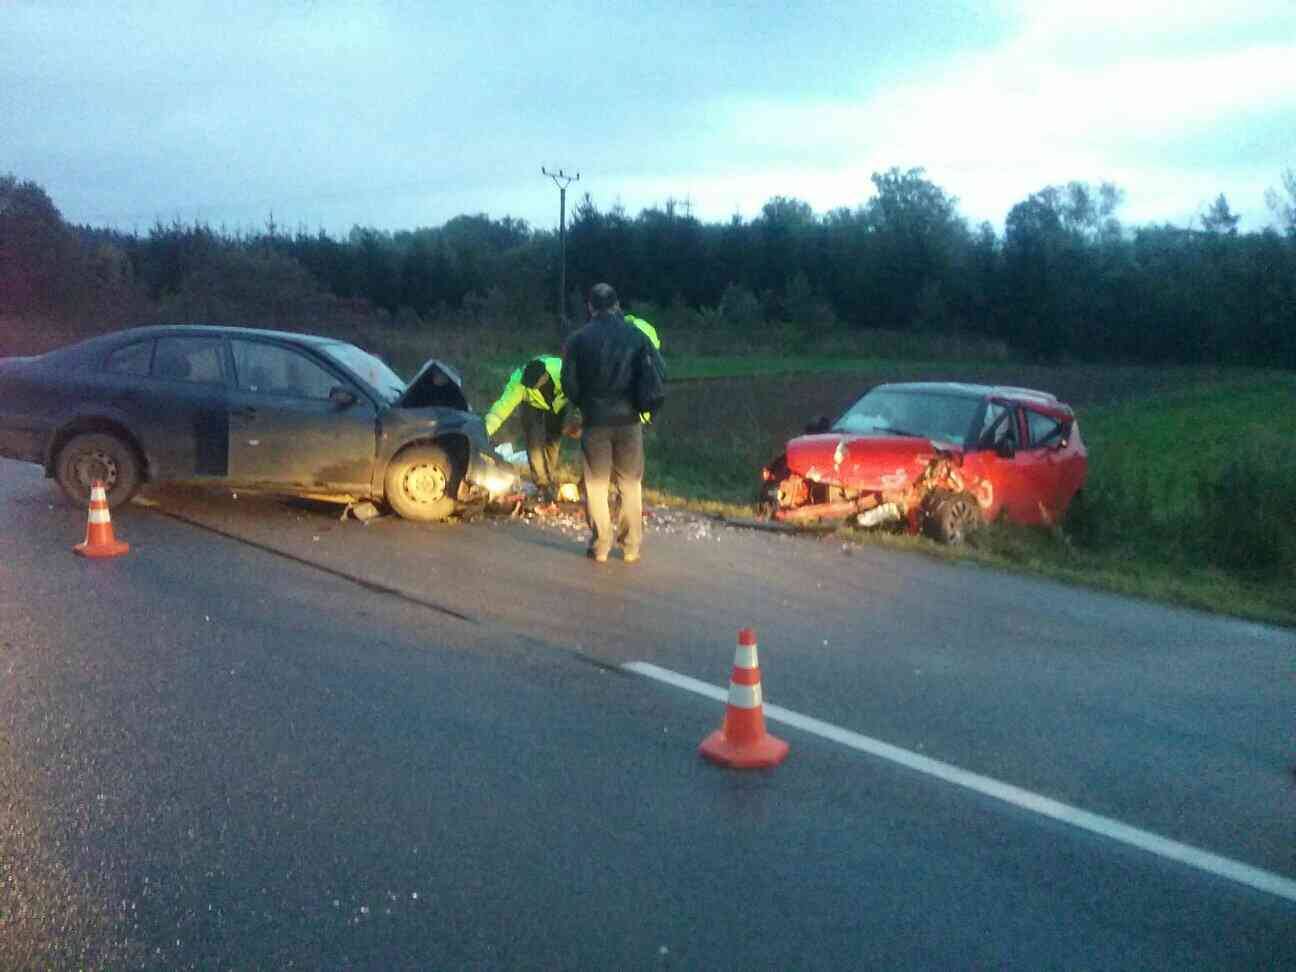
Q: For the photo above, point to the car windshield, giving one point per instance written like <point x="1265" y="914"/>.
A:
<point x="368" y="368"/>
<point x="925" y="414"/>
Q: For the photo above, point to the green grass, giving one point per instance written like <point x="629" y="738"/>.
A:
<point x="1190" y="499"/>
<point x="1163" y="446"/>
<point x="762" y="365"/>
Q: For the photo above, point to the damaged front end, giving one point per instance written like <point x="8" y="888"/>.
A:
<point x="880" y="481"/>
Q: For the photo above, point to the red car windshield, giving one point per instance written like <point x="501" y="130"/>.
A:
<point x="939" y="416"/>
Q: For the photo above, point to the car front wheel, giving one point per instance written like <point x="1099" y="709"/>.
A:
<point x="421" y="483"/>
<point x="97" y="456"/>
<point x="951" y="517"/>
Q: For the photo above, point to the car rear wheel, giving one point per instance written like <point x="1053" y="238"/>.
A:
<point x="951" y="517"/>
<point x="98" y="456"/>
<point x="421" y="483"/>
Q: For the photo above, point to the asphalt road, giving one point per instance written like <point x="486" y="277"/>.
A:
<point x="268" y="738"/>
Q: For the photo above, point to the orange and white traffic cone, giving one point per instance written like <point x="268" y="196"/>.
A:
<point x="743" y="743"/>
<point x="99" y="540"/>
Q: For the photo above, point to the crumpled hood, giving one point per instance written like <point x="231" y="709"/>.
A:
<point x="876" y="463"/>
<point x="437" y="385"/>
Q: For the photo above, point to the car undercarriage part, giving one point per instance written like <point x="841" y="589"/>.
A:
<point x="937" y="502"/>
<point x="886" y="513"/>
<point x="364" y="511"/>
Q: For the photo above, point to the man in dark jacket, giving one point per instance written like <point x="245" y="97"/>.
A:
<point x="600" y="365"/>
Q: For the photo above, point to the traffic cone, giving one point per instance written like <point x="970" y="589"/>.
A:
<point x="99" y="541"/>
<point x="742" y="742"/>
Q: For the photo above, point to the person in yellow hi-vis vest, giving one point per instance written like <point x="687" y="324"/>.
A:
<point x="650" y="333"/>
<point x="537" y="387"/>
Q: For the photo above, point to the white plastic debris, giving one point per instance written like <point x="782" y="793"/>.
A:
<point x="364" y="511"/>
<point x="514" y="457"/>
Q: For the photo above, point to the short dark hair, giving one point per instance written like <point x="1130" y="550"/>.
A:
<point x="602" y="297"/>
<point x="533" y="372"/>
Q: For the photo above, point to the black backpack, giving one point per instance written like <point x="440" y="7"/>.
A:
<point x="649" y="379"/>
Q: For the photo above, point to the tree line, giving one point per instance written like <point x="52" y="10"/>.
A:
<point x="1064" y="281"/>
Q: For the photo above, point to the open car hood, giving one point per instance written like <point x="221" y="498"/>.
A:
<point x="437" y="385"/>
<point x="875" y="463"/>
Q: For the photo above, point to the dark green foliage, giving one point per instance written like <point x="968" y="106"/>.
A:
<point x="1065" y="283"/>
<point x="1202" y="476"/>
<point x="1247" y="519"/>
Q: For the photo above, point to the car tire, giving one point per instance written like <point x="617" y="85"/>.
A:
<point x="951" y="517"/>
<point x="421" y="483"/>
<point x="99" y="456"/>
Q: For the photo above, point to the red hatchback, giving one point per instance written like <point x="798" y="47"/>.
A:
<point x="937" y="457"/>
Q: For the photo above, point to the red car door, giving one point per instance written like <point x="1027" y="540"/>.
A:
<point x="1015" y="472"/>
<point x="1062" y="454"/>
<point x="1029" y="464"/>
<point x="1040" y="470"/>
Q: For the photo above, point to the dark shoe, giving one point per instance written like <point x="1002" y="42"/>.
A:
<point x="598" y="558"/>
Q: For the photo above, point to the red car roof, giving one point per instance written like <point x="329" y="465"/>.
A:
<point x="1041" y="401"/>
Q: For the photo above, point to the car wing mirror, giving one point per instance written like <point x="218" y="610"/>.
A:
<point x="342" y="397"/>
<point x="1005" y="449"/>
<point x="822" y="424"/>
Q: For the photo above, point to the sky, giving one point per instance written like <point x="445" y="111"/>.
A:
<point x="395" y="115"/>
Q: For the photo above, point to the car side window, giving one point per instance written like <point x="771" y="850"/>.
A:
<point x="1044" y="429"/>
<point x="999" y="426"/>
<point x="272" y="369"/>
<point x="133" y="359"/>
<point x="196" y="359"/>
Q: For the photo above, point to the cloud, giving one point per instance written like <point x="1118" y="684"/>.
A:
<point x="993" y="127"/>
<point x="395" y="113"/>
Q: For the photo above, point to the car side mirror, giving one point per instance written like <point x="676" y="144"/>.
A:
<point x="822" y="424"/>
<point x="1005" y="449"/>
<point x="342" y="397"/>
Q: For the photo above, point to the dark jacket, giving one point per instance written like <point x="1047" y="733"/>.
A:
<point x="598" y="372"/>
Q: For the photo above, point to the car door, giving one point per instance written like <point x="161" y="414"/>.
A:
<point x="1055" y="473"/>
<point x="1002" y="462"/>
<point x="289" y="427"/>
<point x="1022" y="459"/>
<point x="172" y="393"/>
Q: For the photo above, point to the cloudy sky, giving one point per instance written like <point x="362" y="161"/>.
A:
<point x="393" y="114"/>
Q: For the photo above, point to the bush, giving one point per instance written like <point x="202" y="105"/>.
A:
<point x="1248" y="508"/>
<point x="1125" y="506"/>
<point x="740" y="307"/>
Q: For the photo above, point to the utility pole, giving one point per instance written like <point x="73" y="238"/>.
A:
<point x="562" y="180"/>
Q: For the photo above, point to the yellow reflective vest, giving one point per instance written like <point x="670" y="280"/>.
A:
<point x="515" y="393"/>
<point x="649" y="331"/>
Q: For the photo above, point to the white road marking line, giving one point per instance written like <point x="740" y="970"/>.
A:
<point x="1144" y="840"/>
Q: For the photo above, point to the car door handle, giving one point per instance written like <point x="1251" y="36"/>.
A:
<point x="244" y="413"/>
